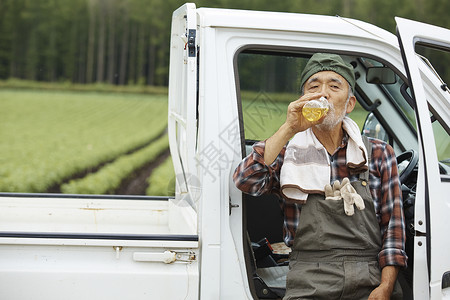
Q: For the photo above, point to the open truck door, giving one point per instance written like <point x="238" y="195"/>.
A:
<point x="432" y="208"/>
<point x="182" y="119"/>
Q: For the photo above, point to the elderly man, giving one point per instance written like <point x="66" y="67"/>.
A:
<point x="323" y="169"/>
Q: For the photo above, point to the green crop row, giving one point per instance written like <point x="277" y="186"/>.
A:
<point x="14" y="83"/>
<point x="49" y="137"/>
<point x="109" y="178"/>
<point x="162" y="180"/>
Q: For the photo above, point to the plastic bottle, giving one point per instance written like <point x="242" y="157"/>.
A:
<point x="315" y="109"/>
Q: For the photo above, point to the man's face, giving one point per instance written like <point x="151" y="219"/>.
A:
<point x="335" y="88"/>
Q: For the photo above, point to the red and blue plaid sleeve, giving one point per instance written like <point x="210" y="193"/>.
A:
<point x="390" y="206"/>
<point x="253" y="176"/>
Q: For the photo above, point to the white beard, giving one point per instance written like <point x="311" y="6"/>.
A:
<point x="332" y="120"/>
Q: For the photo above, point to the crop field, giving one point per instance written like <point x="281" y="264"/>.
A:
<point x="81" y="142"/>
<point x="77" y="142"/>
<point x="158" y="180"/>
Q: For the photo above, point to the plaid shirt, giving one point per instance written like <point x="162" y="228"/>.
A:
<point x="254" y="177"/>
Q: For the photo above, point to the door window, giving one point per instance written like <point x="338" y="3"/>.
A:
<point x="438" y="60"/>
<point x="269" y="81"/>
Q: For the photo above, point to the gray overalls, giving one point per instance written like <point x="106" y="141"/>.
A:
<point x="334" y="256"/>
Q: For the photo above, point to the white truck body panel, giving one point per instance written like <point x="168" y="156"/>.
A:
<point x="93" y="248"/>
<point x="95" y="216"/>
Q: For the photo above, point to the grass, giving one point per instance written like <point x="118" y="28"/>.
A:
<point x="108" y="179"/>
<point x="359" y="115"/>
<point x="49" y="136"/>
<point x="162" y="180"/>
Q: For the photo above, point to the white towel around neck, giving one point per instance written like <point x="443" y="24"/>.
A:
<point x="306" y="168"/>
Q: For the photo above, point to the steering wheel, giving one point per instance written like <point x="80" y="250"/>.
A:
<point x="406" y="163"/>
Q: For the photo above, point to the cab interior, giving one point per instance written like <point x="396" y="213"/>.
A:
<point x="267" y="82"/>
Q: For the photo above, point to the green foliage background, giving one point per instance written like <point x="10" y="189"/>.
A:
<point x="127" y="41"/>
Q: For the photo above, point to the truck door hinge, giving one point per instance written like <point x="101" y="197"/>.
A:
<point x="191" y="42"/>
<point x="231" y="205"/>
<point x="166" y="257"/>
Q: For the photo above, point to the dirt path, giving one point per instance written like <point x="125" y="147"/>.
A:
<point x="136" y="184"/>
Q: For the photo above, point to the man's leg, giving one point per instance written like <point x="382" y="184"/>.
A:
<point x="314" y="280"/>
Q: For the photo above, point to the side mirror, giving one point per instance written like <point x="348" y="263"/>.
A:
<point x="380" y="75"/>
<point x="373" y="128"/>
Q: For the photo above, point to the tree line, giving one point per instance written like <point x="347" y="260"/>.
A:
<point x="127" y="41"/>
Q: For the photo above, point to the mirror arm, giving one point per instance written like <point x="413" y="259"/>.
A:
<point x="406" y="95"/>
<point x="370" y="107"/>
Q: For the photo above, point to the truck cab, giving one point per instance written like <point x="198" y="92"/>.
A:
<point x="232" y="75"/>
<point x="239" y="70"/>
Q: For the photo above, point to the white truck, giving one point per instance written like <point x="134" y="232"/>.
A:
<point x="232" y="73"/>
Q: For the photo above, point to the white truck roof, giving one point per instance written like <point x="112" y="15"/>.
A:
<point x="263" y="20"/>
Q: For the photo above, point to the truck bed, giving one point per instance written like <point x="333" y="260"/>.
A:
<point x="61" y="214"/>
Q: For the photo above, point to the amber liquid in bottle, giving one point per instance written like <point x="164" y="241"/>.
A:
<point x="315" y="109"/>
<point x="313" y="114"/>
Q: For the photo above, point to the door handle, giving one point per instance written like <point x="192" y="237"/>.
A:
<point x="166" y="257"/>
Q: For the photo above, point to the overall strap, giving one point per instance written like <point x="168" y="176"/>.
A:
<point x="365" y="175"/>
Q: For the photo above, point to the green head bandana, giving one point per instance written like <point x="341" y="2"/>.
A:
<point x="328" y="62"/>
